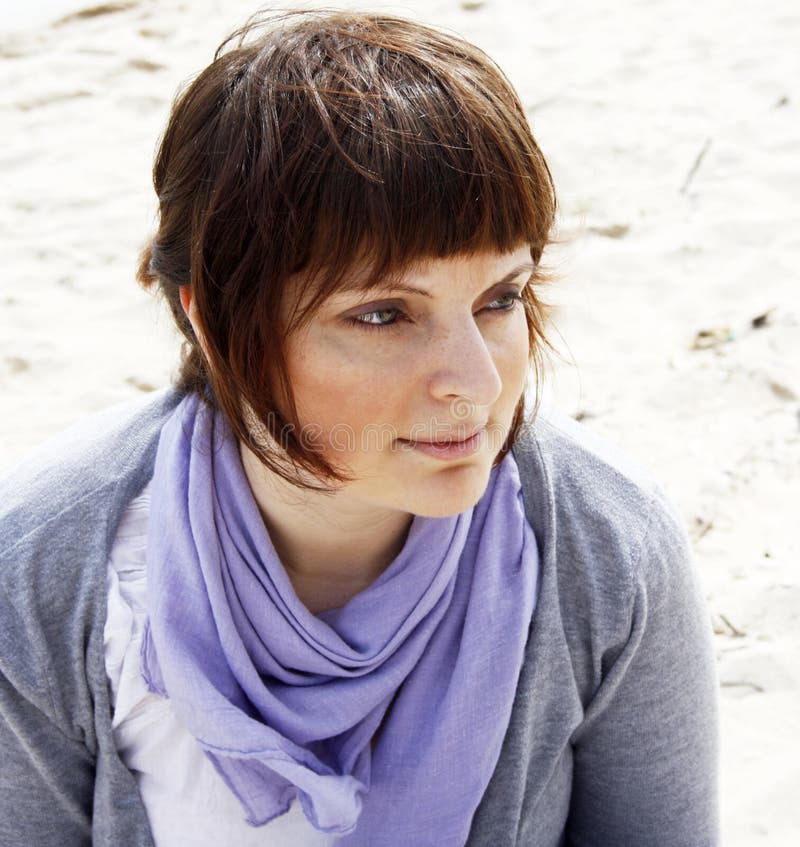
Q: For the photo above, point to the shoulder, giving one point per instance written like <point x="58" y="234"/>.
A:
<point x="100" y="453"/>
<point x="587" y="486"/>
<point x="611" y="542"/>
<point x="59" y="510"/>
<point x="585" y="469"/>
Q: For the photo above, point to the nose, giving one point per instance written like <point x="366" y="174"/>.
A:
<point x="462" y="367"/>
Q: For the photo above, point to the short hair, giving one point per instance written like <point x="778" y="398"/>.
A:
<point x="316" y="142"/>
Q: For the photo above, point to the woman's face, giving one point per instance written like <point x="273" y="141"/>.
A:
<point x="411" y="389"/>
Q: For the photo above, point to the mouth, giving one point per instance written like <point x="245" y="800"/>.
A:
<point x="447" y="449"/>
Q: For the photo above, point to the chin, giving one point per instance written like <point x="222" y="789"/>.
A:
<point x="455" y="491"/>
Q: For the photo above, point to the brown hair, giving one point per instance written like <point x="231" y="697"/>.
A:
<point x="316" y="141"/>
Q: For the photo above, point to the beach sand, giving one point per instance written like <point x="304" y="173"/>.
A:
<point x="673" y="133"/>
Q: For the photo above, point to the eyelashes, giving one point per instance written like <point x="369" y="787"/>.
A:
<point x="364" y="320"/>
<point x="390" y="317"/>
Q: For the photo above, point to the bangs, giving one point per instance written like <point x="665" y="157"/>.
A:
<point x="422" y="182"/>
<point x="368" y="145"/>
<point x="398" y="194"/>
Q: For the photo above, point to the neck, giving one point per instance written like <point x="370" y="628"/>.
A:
<point x="331" y="546"/>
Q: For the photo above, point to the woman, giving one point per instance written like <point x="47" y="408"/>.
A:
<point x="334" y="588"/>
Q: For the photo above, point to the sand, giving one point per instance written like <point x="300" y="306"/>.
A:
<point x="673" y="133"/>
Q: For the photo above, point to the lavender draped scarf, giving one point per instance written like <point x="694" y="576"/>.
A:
<point x="286" y="704"/>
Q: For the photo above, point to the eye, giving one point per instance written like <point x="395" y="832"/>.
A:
<point x="376" y="319"/>
<point x="505" y="302"/>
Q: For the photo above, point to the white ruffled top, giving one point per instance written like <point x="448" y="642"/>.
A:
<point x="187" y="803"/>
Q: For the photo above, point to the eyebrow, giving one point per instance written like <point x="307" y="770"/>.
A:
<point x="410" y="289"/>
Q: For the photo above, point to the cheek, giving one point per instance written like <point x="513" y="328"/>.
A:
<point x="513" y="361"/>
<point x="338" y="395"/>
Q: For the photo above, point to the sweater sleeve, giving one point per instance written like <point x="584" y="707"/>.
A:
<point x="47" y="777"/>
<point x="646" y="753"/>
<point x="62" y="781"/>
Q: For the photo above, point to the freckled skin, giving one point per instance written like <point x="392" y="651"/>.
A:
<point x="444" y="366"/>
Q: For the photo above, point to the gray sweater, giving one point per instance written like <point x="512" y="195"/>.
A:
<point x="613" y="734"/>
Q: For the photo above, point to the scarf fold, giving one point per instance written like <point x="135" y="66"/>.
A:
<point x="287" y="704"/>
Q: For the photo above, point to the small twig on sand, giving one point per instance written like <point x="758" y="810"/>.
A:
<point x="695" y="166"/>
<point x="737" y="633"/>
<point x="743" y="684"/>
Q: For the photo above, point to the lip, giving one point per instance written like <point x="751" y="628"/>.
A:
<point x="448" y="450"/>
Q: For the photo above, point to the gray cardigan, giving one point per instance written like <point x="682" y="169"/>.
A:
<point x="613" y="734"/>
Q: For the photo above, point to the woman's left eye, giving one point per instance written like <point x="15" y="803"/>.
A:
<point x="505" y="302"/>
<point x="376" y="319"/>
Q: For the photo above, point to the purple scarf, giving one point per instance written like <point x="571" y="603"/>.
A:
<point x="286" y="704"/>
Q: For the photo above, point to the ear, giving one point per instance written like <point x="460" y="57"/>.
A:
<point x="185" y="293"/>
<point x="188" y="303"/>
